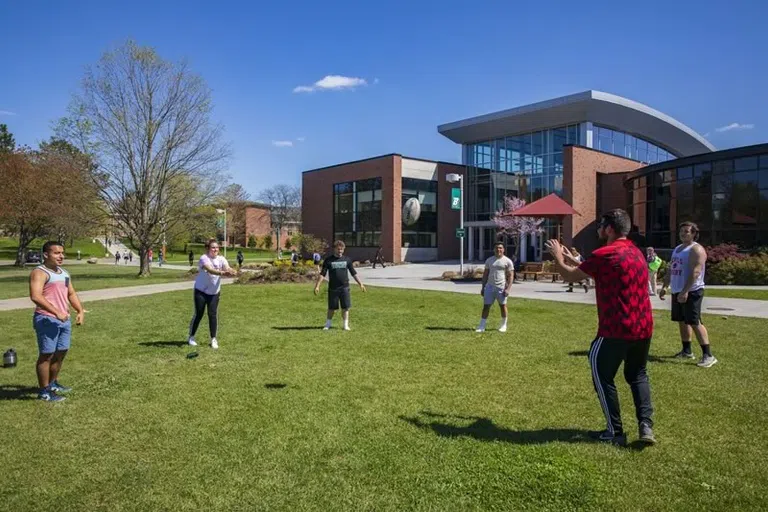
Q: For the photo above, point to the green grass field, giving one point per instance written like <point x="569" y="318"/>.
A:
<point x="9" y="246"/>
<point x="738" y="293"/>
<point x="410" y="411"/>
<point x="14" y="282"/>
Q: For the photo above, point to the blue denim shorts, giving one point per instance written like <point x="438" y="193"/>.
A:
<point x="53" y="335"/>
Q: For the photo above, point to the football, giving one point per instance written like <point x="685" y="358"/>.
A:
<point x="411" y="211"/>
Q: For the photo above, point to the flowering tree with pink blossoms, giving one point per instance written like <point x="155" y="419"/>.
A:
<point x="512" y="225"/>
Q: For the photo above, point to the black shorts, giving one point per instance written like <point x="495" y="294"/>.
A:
<point x="340" y="295"/>
<point x="690" y="312"/>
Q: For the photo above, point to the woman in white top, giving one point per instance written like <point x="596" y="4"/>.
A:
<point x="211" y="268"/>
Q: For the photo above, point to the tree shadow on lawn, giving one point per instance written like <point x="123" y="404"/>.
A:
<point x="484" y="429"/>
<point x="162" y="344"/>
<point x="651" y="358"/>
<point x="299" y="328"/>
<point x="16" y="392"/>
<point x="466" y="329"/>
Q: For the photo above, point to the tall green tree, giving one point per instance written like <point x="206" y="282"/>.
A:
<point x="147" y="121"/>
<point x="7" y="142"/>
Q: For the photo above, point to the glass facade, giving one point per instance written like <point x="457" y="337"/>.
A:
<point x="357" y="212"/>
<point x="424" y="232"/>
<point x="727" y="198"/>
<point x="528" y="165"/>
<point x="628" y="146"/>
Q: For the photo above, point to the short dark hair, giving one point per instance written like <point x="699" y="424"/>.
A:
<point x="209" y="242"/>
<point x="619" y="220"/>
<point x="339" y="243"/>
<point x="50" y="243"/>
<point x="499" y="244"/>
<point x="691" y="225"/>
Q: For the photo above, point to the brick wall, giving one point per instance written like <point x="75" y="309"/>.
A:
<point x="317" y="202"/>
<point x="258" y="224"/>
<point x="581" y="167"/>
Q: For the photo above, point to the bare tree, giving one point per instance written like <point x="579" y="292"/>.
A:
<point x="284" y="202"/>
<point x="147" y="123"/>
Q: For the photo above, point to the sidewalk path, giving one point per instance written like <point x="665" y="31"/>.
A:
<point x="421" y="277"/>
<point x="110" y="293"/>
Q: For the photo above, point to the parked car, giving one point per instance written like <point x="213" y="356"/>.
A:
<point x="33" y="257"/>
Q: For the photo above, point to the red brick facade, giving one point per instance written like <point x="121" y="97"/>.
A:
<point x="317" y="205"/>
<point x="592" y="184"/>
<point x="258" y="224"/>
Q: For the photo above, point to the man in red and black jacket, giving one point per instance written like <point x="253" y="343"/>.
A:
<point x="625" y="322"/>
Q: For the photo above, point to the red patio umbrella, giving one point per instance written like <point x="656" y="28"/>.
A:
<point x="549" y="207"/>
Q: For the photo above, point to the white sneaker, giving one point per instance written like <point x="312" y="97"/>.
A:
<point x="346" y="328"/>
<point x="327" y="327"/>
<point x="480" y="329"/>
<point x="214" y="344"/>
<point x="192" y="342"/>
<point x="503" y="328"/>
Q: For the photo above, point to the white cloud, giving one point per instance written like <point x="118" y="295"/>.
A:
<point x="332" y="83"/>
<point x="282" y="143"/>
<point x="7" y="113"/>
<point x="301" y="139"/>
<point x="734" y="126"/>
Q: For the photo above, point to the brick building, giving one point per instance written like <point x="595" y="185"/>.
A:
<point x="598" y="151"/>
<point x="361" y="203"/>
<point x="258" y="223"/>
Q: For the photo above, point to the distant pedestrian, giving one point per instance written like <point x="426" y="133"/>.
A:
<point x="149" y="255"/>
<point x="191" y="258"/>
<point x="125" y="257"/>
<point x="130" y="256"/>
<point x="316" y="259"/>
<point x="240" y="259"/>
<point x="654" y="263"/>
<point x="117" y="257"/>
<point x="379" y="258"/>
<point x="294" y="258"/>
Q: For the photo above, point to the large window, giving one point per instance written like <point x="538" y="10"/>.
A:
<point x="424" y="232"/>
<point x="357" y="212"/>
<point x="628" y="146"/>
<point x="728" y="199"/>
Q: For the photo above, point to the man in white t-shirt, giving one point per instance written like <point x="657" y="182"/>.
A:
<point x="497" y="282"/>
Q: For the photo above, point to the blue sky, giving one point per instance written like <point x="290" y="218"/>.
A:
<point x="423" y="63"/>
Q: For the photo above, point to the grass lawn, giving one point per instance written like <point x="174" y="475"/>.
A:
<point x="14" y="281"/>
<point x="410" y="411"/>
<point x="9" y="246"/>
<point x="738" y="293"/>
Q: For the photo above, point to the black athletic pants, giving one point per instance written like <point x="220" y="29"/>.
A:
<point x="605" y="357"/>
<point x="202" y="300"/>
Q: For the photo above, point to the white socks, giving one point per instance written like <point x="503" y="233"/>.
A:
<point x="503" y="327"/>
<point x="346" y="325"/>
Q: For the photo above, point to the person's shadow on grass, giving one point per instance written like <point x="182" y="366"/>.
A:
<point x="651" y="358"/>
<point x="16" y="392"/>
<point x="162" y="344"/>
<point x="484" y="429"/>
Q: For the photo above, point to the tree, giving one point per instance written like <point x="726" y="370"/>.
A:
<point x="284" y="203"/>
<point x="512" y="225"/>
<point x="267" y="242"/>
<point x="235" y="199"/>
<point x="309" y="244"/>
<point x="41" y="190"/>
<point x="252" y="241"/>
<point x="147" y="122"/>
<point x="7" y="142"/>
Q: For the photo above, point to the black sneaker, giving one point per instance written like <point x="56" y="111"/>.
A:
<point x="646" y="434"/>
<point x="604" y="436"/>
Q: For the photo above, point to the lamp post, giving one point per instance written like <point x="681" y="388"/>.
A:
<point x="458" y="178"/>
<point x="224" y="211"/>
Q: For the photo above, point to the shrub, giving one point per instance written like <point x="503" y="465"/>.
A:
<point x="450" y="274"/>
<point x="279" y="274"/>
<point x="309" y="244"/>
<point x="266" y="242"/>
<point x="723" y="252"/>
<point x="752" y="270"/>
<point x="252" y="241"/>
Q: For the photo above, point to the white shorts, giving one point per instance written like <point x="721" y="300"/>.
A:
<point x="492" y="294"/>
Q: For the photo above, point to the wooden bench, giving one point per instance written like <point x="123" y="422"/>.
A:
<point x="536" y="270"/>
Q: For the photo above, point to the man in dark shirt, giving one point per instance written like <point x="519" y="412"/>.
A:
<point x="338" y="267"/>
<point x="625" y="322"/>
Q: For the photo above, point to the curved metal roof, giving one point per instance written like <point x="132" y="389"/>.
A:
<point x="598" y="107"/>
